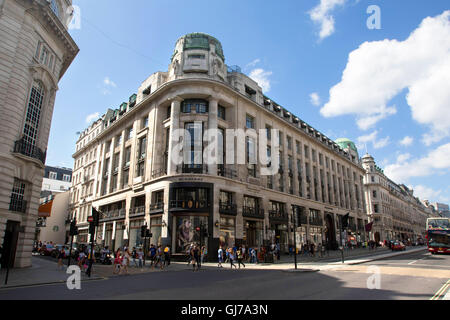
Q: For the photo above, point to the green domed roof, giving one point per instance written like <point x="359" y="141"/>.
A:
<point x="345" y="143"/>
<point x="200" y="40"/>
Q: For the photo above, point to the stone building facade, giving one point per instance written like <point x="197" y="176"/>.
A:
<point x="123" y="168"/>
<point x="396" y="213"/>
<point x="35" y="52"/>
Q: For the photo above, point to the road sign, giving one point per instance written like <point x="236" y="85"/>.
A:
<point x="90" y="219"/>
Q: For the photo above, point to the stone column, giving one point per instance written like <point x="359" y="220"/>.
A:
<point x="212" y="136"/>
<point x="174" y="125"/>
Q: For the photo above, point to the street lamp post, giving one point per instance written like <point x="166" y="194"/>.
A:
<point x="294" y="216"/>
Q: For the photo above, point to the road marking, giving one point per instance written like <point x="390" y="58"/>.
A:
<point x="441" y="291"/>
<point x="417" y="260"/>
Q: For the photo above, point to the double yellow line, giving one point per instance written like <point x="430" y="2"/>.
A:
<point x="441" y="291"/>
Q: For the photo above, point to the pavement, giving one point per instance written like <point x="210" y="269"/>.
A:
<point x="44" y="270"/>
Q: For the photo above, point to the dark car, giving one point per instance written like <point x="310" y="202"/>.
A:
<point x="46" y="249"/>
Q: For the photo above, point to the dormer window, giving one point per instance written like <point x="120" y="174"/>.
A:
<point x="55" y="8"/>
<point x="250" y="92"/>
<point x="147" y="90"/>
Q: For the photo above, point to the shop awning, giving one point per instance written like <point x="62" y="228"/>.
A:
<point x="45" y="209"/>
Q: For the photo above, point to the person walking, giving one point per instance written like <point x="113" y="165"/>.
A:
<point x="220" y="257"/>
<point x="204" y="253"/>
<point x="189" y="253"/>
<point x="240" y="257"/>
<point x="117" y="261"/>
<point x="152" y="255"/>
<point x="140" y="256"/>
<point x="227" y="255"/>
<point x="231" y="257"/>
<point x="134" y="256"/>
<point x="167" y="255"/>
<point x="125" y="260"/>
<point x="61" y="255"/>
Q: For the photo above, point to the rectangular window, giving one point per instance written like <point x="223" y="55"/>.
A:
<point x="52" y="175"/>
<point x="250" y="122"/>
<point x="130" y="133"/>
<point x="127" y="156"/>
<point x="145" y="122"/>
<point x="251" y="156"/>
<point x="18" y="203"/>
<point x="269" y="132"/>
<point x="289" y="142"/>
<point x="221" y="112"/>
<point x="306" y="152"/>
<point x="298" y="147"/>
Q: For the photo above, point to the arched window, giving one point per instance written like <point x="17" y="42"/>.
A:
<point x="31" y="128"/>
<point x="55" y="7"/>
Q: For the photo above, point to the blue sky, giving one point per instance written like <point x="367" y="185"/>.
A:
<point x="394" y="88"/>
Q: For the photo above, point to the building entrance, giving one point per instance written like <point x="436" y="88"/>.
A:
<point x="10" y="244"/>
<point x="330" y="235"/>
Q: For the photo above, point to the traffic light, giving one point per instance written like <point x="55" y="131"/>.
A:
<point x="96" y="216"/>
<point x="148" y="234"/>
<point x="143" y="231"/>
<point x="73" y="228"/>
<point x="92" y="228"/>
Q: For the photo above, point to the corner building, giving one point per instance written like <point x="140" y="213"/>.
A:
<point x="122" y="165"/>
<point x="35" y="52"/>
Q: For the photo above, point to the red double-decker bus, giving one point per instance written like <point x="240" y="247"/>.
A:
<point x="438" y="235"/>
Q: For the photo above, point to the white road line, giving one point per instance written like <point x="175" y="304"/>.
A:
<point x="417" y="260"/>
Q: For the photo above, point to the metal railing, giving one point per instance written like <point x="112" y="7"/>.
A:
<point x="316" y="222"/>
<point x="158" y="206"/>
<point x="27" y="149"/>
<point x="252" y="212"/>
<point x="227" y="208"/>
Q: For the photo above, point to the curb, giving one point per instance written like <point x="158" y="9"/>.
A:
<point x="384" y="256"/>
<point x="46" y="283"/>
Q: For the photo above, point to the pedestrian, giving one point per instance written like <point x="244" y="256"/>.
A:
<point x="159" y="258"/>
<point x="278" y="251"/>
<point x="140" y="255"/>
<point x="152" y="255"/>
<point x="81" y="258"/>
<point x="227" y="254"/>
<point x="189" y="253"/>
<point x="167" y="255"/>
<point x="240" y="257"/>
<point x="220" y="257"/>
<point x="61" y="255"/>
<point x="231" y="257"/>
<point x="117" y="261"/>
<point x="312" y="249"/>
<point x="125" y="260"/>
<point x="134" y="256"/>
<point x="204" y="252"/>
<point x="195" y="255"/>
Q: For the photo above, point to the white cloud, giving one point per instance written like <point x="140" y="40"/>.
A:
<point x="314" y="99"/>
<point x="372" y="137"/>
<point x="407" y="141"/>
<point x="253" y="63"/>
<point x="435" y="162"/>
<point x="425" y="193"/>
<point x="92" y="117"/>
<point x="321" y="15"/>
<point x="378" y="71"/>
<point x="262" y="78"/>
<point x="109" y="83"/>
<point x="403" y="157"/>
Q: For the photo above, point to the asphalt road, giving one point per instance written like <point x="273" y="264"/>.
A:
<point x="411" y="276"/>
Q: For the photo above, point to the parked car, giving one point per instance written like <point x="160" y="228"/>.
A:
<point x="398" y="246"/>
<point x="46" y="249"/>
